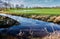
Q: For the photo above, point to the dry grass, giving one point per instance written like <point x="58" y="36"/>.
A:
<point x="54" y="35"/>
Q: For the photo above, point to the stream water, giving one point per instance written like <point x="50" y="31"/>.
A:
<point x="29" y="24"/>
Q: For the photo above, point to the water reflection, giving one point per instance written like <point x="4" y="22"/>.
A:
<point x="38" y="28"/>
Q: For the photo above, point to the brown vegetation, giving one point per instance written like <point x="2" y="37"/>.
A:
<point x="47" y="18"/>
<point x="54" y="35"/>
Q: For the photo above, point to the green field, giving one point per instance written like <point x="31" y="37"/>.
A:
<point x="43" y="11"/>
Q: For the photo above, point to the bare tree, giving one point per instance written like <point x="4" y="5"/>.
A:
<point x="21" y="6"/>
<point x="17" y="6"/>
<point x="5" y="4"/>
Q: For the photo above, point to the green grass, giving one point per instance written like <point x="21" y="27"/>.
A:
<point x="43" y="11"/>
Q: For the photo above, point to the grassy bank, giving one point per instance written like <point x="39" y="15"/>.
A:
<point x="41" y="11"/>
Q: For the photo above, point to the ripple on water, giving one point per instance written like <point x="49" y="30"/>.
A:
<point x="31" y="24"/>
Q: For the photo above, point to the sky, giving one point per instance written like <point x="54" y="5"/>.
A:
<point x="34" y="3"/>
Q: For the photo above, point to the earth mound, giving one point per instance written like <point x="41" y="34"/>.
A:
<point x="6" y="22"/>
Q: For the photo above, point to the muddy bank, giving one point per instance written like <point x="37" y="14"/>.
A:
<point x="7" y="22"/>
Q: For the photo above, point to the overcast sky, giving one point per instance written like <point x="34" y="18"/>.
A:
<point x="32" y="3"/>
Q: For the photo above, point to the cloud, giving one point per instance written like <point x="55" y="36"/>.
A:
<point x="48" y="0"/>
<point x="31" y="3"/>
